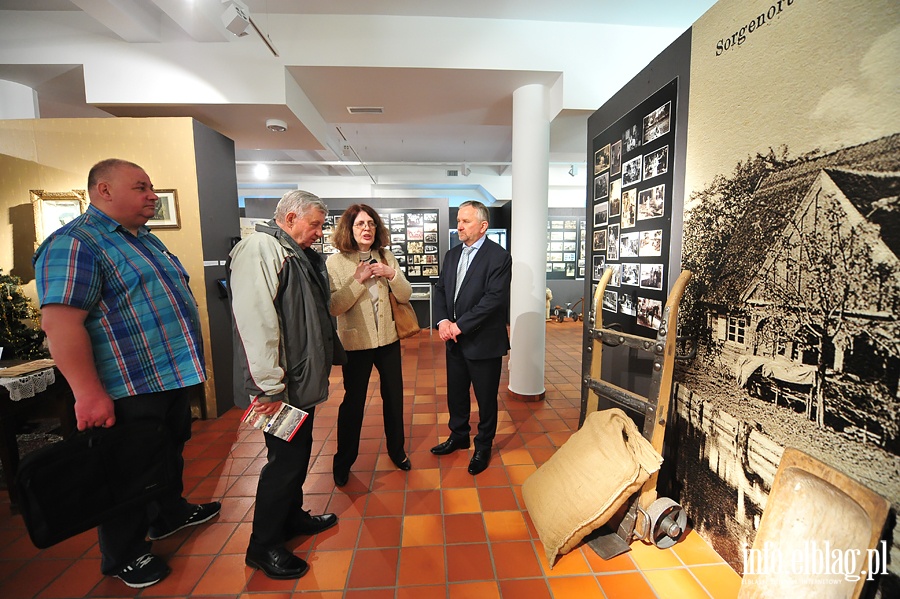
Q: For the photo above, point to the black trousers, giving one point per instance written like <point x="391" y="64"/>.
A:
<point x="357" y="371"/>
<point x="123" y="539"/>
<point x="279" y="493"/>
<point x="484" y="378"/>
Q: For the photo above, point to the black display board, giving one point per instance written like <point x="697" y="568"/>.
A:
<point x="565" y="247"/>
<point x="414" y="240"/>
<point x="631" y="212"/>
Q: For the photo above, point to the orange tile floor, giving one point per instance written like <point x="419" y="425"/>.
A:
<point x="435" y="532"/>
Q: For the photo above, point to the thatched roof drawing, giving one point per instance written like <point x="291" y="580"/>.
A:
<point x="778" y="197"/>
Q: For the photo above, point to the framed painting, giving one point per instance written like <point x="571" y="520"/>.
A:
<point x="53" y="209"/>
<point x="166" y="216"/>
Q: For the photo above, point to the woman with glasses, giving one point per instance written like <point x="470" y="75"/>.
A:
<point x="362" y="275"/>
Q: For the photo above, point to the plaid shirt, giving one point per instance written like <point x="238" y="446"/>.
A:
<point x="142" y="318"/>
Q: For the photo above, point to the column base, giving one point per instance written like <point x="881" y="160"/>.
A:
<point x="527" y="398"/>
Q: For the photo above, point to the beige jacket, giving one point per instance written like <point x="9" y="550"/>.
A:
<point x="352" y="304"/>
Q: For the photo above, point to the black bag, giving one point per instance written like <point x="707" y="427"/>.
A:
<point x="76" y="484"/>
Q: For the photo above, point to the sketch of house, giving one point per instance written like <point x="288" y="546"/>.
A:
<point x="806" y="314"/>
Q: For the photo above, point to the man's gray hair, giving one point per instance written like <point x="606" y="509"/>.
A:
<point x="300" y="203"/>
<point x="480" y="209"/>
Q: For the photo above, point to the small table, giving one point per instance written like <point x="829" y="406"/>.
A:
<point x="47" y="400"/>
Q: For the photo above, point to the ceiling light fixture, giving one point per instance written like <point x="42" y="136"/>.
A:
<point x="237" y="20"/>
<point x="261" y="171"/>
<point x="276" y="125"/>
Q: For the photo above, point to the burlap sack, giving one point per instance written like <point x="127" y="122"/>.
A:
<point x="580" y="488"/>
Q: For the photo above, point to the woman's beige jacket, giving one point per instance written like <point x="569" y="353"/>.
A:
<point x="352" y="304"/>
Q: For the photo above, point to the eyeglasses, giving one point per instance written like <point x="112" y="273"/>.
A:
<point x="364" y="225"/>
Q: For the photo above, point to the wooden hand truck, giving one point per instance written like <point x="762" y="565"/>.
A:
<point x="657" y="520"/>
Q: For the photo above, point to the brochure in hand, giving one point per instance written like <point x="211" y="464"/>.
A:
<point x="284" y="423"/>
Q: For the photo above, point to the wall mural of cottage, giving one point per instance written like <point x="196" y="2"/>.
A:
<point x="792" y="231"/>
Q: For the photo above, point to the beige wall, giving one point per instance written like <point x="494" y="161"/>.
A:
<point x="55" y="155"/>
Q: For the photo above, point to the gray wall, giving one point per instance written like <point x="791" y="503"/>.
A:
<point x="219" y="223"/>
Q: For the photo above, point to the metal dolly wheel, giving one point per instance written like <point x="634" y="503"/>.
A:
<point x="645" y="516"/>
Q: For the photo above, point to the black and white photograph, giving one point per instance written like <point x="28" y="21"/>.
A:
<point x="601" y="159"/>
<point x="557" y="224"/>
<point x="612" y="245"/>
<point x="610" y="301"/>
<point x="629" y="245"/>
<point x="570" y="224"/>
<point x="615" y="197"/>
<point x="629" y="208"/>
<point x="556" y="246"/>
<point x="415" y="233"/>
<point x="631" y="273"/>
<point x="651" y="202"/>
<point x="656" y="163"/>
<point x="430" y="225"/>
<point x="658" y="122"/>
<point x="559" y="267"/>
<point x="649" y="312"/>
<point x="569" y="246"/>
<point x="601" y="214"/>
<point x="570" y="235"/>
<point x="398" y="249"/>
<point x="631" y="172"/>
<point x="599" y="242"/>
<point x="652" y="276"/>
<point x="569" y="256"/>
<point x="557" y="235"/>
<point x="554" y="257"/>
<point x="401" y="259"/>
<point x="626" y="303"/>
<point x="601" y="186"/>
<point x="398" y="218"/>
<point x="431" y="237"/>
<point x="414" y="219"/>
<point x="598" y="267"/>
<point x="651" y="243"/>
<point x="570" y="269"/>
<point x="631" y="139"/>
<point x="431" y="249"/>
<point x="414" y="271"/>
<point x="398" y="237"/>
<point x="430" y="217"/>
<point x="616" y="279"/>
<point x="414" y="247"/>
<point x="398" y="228"/>
<point x="430" y="270"/>
<point x="615" y="158"/>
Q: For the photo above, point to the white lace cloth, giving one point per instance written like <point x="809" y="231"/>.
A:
<point x="29" y="385"/>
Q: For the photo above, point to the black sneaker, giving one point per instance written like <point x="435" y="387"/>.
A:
<point x="144" y="571"/>
<point x="201" y="513"/>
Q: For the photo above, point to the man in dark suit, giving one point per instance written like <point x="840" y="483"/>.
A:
<point x="471" y="303"/>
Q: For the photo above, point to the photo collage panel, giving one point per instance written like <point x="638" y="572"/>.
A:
<point x="413" y="240"/>
<point x="566" y="247"/>
<point x="630" y="216"/>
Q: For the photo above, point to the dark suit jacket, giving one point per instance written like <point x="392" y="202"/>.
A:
<point x="482" y="305"/>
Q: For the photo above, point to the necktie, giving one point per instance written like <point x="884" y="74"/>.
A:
<point x="461" y="272"/>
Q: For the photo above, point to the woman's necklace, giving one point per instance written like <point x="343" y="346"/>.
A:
<point x="365" y="256"/>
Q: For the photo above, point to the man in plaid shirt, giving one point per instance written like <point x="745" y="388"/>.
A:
<point x="124" y="330"/>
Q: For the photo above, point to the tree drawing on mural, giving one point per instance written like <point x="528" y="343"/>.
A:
<point x="798" y="285"/>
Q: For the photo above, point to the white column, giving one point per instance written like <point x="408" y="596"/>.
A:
<point x="17" y="101"/>
<point x="530" y="184"/>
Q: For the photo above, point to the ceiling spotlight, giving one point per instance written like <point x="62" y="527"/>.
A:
<point x="236" y="18"/>
<point x="465" y="171"/>
<point x="573" y="170"/>
<point x="261" y="171"/>
<point x="276" y="125"/>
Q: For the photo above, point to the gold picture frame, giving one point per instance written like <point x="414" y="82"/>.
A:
<point x="53" y="209"/>
<point x="166" y="216"/>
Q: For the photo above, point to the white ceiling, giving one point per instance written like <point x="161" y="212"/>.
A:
<point x="441" y="111"/>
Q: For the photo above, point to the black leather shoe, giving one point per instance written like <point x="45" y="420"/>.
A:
<point x="315" y="524"/>
<point x="403" y="464"/>
<point x="277" y="563"/>
<point x="480" y="461"/>
<point x="341" y="479"/>
<point x="449" y="446"/>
